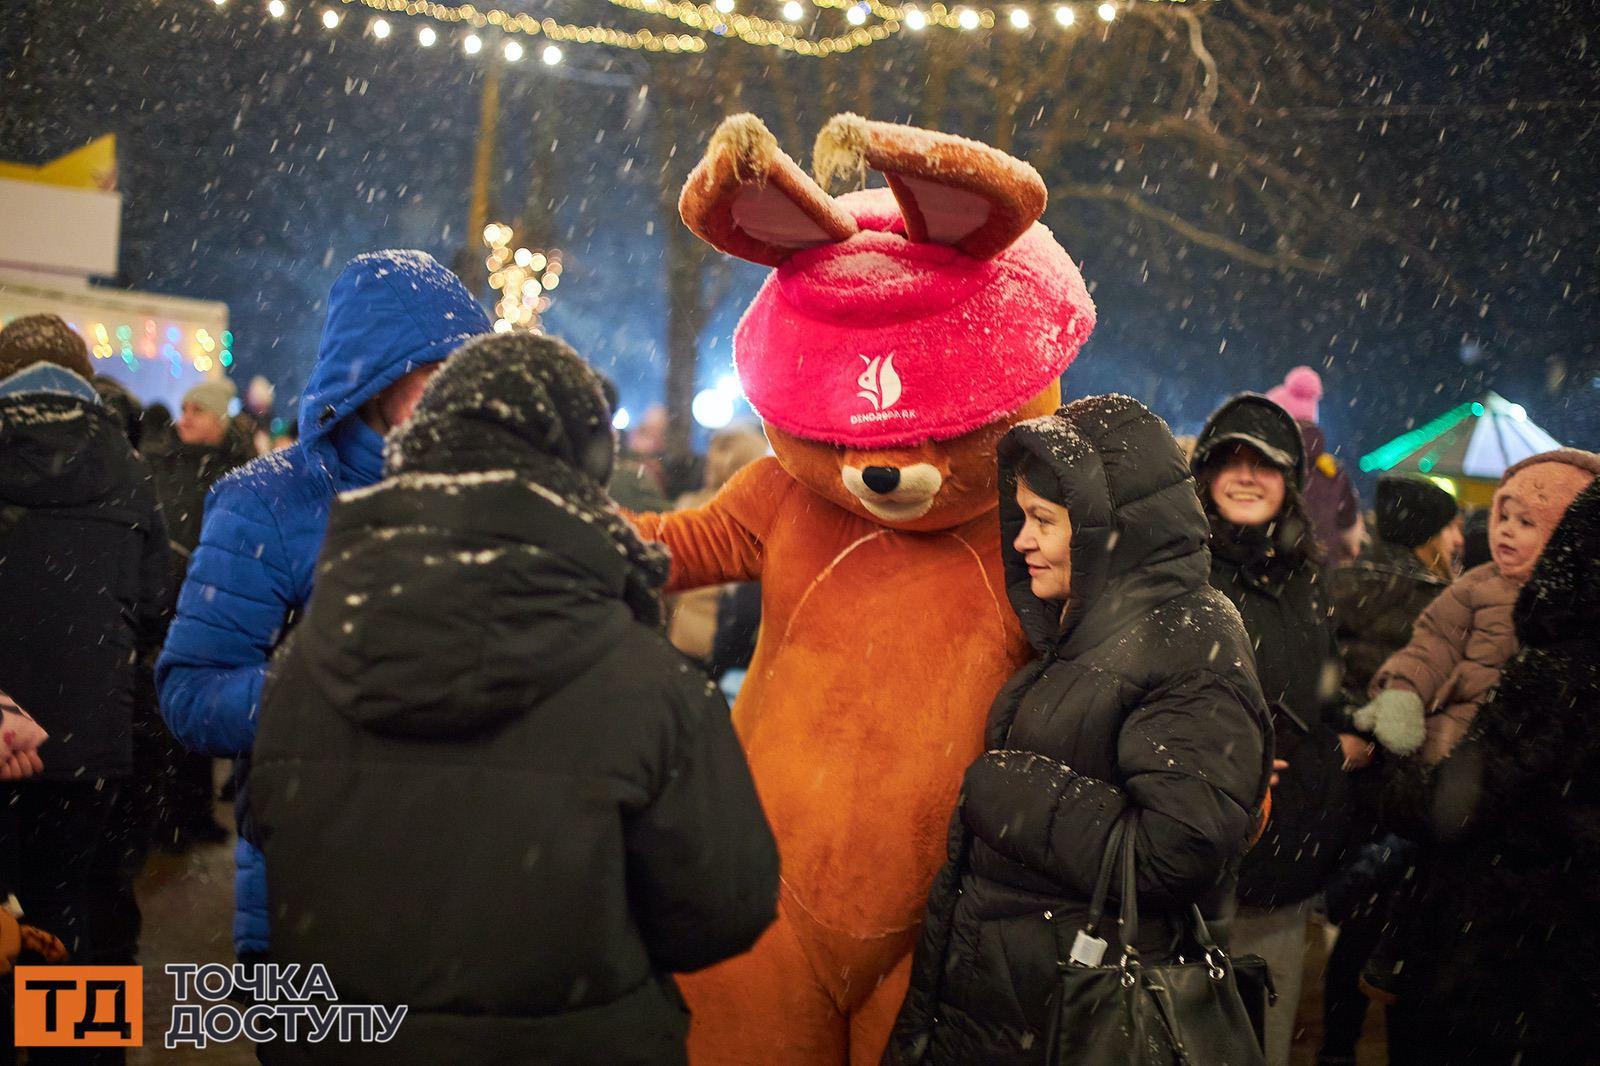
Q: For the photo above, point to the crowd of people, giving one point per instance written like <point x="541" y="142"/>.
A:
<point x="430" y="641"/>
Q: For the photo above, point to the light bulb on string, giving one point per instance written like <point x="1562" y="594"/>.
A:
<point x="1066" y="16"/>
<point x="915" y="19"/>
<point x="276" y="9"/>
<point x="551" y="55"/>
<point x="1019" y="18"/>
<point x="380" y="28"/>
<point x="512" y="51"/>
<point x="426" y="37"/>
<point x="724" y="6"/>
<point x="473" y="44"/>
<point x="330" y="20"/>
<point x="856" y="15"/>
<point x="793" y="11"/>
<point x="967" y="19"/>
<point x="1107" y="12"/>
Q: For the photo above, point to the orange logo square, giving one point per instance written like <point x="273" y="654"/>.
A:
<point x="79" y="1006"/>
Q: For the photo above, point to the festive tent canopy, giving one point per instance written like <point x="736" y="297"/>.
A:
<point x="1471" y="444"/>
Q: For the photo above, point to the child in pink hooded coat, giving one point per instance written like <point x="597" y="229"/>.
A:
<point x="1428" y="692"/>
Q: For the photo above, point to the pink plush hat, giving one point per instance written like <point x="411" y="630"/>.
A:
<point x="1545" y="484"/>
<point x="918" y="312"/>
<point x="1299" y="394"/>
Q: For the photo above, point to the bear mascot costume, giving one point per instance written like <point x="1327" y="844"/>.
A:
<point x="903" y="331"/>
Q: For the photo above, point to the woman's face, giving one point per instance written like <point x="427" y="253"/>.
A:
<point x="1247" y="490"/>
<point x="1045" y="543"/>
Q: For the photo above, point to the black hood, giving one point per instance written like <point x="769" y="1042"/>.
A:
<point x="1252" y="419"/>
<point x="446" y="604"/>
<point x="1138" y="531"/>
<point x="1561" y="600"/>
<point x="60" y="451"/>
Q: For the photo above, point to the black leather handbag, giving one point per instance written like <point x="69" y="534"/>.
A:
<point x="1134" y="1012"/>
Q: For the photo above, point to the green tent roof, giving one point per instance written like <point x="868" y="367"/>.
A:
<point x="1478" y="439"/>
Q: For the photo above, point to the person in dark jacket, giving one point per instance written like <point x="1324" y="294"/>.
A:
<point x="1413" y="557"/>
<point x="204" y="448"/>
<point x="479" y="740"/>
<point x="393" y="316"/>
<point x="84" y="589"/>
<point x="1143" y="697"/>
<point x="1249" y="466"/>
<point x="1500" y="954"/>
<point x="1409" y="562"/>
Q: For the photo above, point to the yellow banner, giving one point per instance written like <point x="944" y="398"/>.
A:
<point x="94" y="166"/>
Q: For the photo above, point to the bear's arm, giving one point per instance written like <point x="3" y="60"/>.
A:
<point x="724" y="540"/>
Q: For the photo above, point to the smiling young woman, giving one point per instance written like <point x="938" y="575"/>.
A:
<point x="1249" y="466"/>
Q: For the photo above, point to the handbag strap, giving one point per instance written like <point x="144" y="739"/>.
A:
<point x="1130" y="884"/>
<point x="1102" y="881"/>
<point x="1202" y="931"/>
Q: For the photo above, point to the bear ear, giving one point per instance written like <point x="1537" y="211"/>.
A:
<point x="749" y="199"/>
<point x="950" y="190"/>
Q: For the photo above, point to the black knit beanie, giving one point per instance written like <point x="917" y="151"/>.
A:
<point x="505" y="399"/>
<point x="1410" y="510"/>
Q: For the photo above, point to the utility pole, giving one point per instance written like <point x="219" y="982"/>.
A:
<point x="470" y="265"/>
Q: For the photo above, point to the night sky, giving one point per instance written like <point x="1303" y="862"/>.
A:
<point x="256" y="156"/>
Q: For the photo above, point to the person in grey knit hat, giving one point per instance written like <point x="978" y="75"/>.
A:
<point x="203" y="419"/>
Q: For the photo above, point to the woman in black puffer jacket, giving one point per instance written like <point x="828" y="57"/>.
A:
<point x="1249" y="464"/>
<point x="1143" y="696"/>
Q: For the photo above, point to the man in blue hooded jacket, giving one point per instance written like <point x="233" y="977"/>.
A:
<point x="393" y="316"/>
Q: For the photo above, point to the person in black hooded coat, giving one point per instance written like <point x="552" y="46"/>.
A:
<point x="83" y="587"/>
<point x="1249" y="455"/>
<point x="1143" y="697"/>
<point x="486" y="786"/>
<point x="1500" y="950"/>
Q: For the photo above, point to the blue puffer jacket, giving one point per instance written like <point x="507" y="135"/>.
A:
<point x="388" y="313"/>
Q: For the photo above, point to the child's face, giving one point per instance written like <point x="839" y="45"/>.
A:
<point x="1517" y="540"/>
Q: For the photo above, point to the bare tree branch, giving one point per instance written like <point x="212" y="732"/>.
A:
<point x="1129" y="198"/>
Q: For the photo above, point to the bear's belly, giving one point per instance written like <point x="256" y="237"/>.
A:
<point x="863" y="709"/>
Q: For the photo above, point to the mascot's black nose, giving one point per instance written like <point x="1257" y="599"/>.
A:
<point x="881" y="479"/>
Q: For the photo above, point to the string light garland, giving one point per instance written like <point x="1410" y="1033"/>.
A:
<point x="524" y="278"/>
<point x="871" y="21"/>
<point x="151" y="343"/>
<point x="510" y="22"/>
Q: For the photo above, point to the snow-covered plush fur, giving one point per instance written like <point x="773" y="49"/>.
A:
<point x="910" y="340"/>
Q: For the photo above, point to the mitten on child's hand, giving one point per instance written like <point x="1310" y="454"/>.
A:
<point x="1395" y="717"/>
